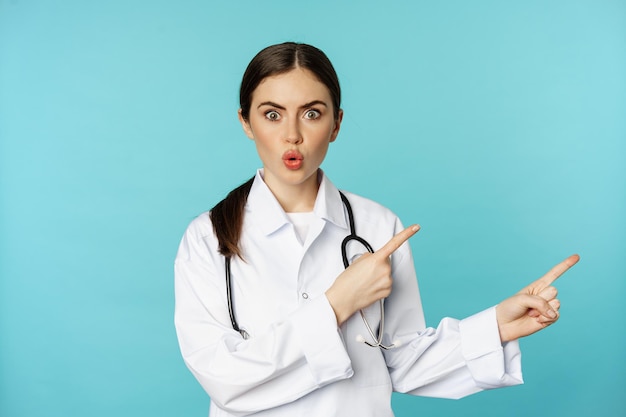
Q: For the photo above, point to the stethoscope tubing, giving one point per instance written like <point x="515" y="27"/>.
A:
<point x="378" y="340"/>
<point x="346" y="263"/>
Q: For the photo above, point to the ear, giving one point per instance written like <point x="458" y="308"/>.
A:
<point x="337" y="126"/>
<point x="245" y="124"/>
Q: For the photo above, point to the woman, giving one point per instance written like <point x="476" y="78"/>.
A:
<point x="267" y="317"/>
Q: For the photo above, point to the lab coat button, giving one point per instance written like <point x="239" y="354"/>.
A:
<point x="305" y="295"/>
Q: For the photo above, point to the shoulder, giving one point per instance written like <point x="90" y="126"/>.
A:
<point x="369" y="209"/>
<point x="366" y="211"/>
<point x="201" y="226"/>
<point x="199" y="237"/>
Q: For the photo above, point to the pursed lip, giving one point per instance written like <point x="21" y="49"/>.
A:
<point x="291" y="155"/>
<point x="292" y="159"/>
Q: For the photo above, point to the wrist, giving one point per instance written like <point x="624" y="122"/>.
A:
<point x="342" y="312"/>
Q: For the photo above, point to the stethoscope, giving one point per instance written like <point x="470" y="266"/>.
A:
<point x="378" y="339"/>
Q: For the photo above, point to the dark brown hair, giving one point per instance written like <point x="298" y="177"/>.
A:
<point x="227" y="215"/>
<point x="281" y="58"/>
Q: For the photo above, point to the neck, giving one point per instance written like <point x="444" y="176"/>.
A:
<point x="297" y="197"/>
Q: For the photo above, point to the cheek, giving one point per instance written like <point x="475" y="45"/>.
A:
<point x="261" y="146"/>
<point x="261" y="134"/>
<point x="322" y="151"/>
<point x="265" y="143"/>
<point x="322" y="132"/>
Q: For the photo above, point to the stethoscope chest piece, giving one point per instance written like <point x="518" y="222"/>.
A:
<point x="378" y="339"/>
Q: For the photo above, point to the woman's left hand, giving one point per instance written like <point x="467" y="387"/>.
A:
<point x="533" y="308"/>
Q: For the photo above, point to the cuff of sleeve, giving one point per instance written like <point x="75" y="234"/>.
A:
<point x="491" y="364"/>
<point x="316" y="328"/>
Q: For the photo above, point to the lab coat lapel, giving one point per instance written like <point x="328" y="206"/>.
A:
<point x="266" y="213"/>
<point x="263" y="209"/>
<point x="328" y="208"/>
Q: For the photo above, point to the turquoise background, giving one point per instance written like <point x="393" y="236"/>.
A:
<point x="499" y="126"/>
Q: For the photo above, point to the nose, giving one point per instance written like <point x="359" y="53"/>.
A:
<point x="293" y="134"/>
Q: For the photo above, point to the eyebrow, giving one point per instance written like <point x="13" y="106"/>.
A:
<point x="278" y="106"/>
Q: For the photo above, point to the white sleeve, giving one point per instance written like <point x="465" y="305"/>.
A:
<point x="456" y="359"/>
<point x="295" y="356"/>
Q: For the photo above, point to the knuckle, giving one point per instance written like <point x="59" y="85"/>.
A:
<point x="385" y="283"/>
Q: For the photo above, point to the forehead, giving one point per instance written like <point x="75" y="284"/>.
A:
<point x="296" y="86"/>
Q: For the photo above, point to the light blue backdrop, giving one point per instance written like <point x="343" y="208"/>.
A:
<point x="499" y="126"/>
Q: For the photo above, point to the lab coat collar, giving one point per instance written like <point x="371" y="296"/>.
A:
<point x="266" y="212"/>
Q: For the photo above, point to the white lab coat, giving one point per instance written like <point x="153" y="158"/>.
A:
<point x="296" y="361"/>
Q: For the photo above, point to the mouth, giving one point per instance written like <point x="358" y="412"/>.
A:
<point x="292" y="159"/>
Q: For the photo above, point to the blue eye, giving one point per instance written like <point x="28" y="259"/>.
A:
<point x="272" y="115"/>
<point x="312" y="114"/>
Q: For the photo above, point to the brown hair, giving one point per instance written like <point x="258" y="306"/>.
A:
<point x="227" y="215"/>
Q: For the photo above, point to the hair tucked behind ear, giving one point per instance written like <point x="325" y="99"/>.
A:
<point x="227" y="219"/>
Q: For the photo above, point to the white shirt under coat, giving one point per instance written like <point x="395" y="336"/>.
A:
<point x="297" y="362"/>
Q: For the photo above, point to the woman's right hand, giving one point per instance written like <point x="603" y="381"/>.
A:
<point x="367" y="280"/>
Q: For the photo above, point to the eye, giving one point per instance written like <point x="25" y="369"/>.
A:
<point x="312" y="114"/>
<point x="272" y="115"/>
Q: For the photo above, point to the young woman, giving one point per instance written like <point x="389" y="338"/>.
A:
<point x="268" y="319"/>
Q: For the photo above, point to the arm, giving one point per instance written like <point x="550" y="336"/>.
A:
<point x="293" y="357"/>
<point x="463" y="357"/>
<point x="456" y="359"/>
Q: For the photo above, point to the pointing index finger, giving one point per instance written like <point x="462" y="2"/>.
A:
<point x="558" y="270"/>
<point x="397" y="241"/>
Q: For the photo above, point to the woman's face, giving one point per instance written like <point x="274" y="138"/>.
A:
<point x="292" y="123"/>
